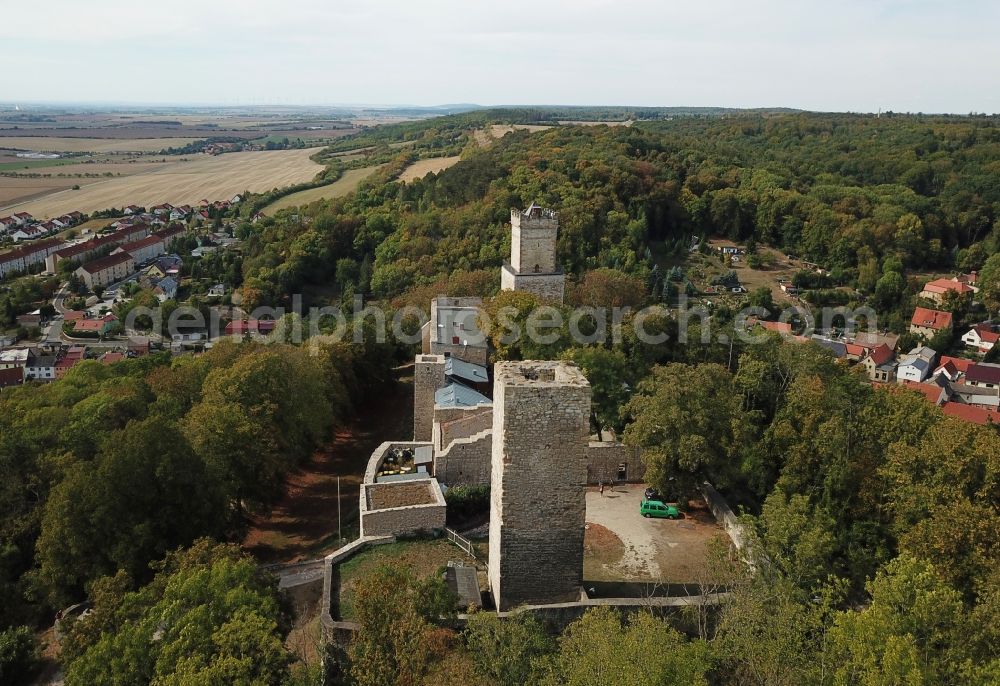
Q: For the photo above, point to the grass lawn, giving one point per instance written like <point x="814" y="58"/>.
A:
<point x="423" y="557"/>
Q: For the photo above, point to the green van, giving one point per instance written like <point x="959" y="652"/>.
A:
<point x="654" y="508"/>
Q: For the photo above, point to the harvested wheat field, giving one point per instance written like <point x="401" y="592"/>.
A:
<point x="54" y="144"/>
<point x="339" y="188"/>
<point x="14" y="190"/>
<point x="212" y="178"/>
<point x="422" y="168"/>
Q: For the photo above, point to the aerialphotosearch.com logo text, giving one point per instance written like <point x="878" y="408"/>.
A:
<point x="543" y="325"/>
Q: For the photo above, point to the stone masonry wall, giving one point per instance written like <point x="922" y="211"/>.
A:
<point x="466" y="461"/>
<point x="541" y="416"/>
<point x="428" y="377"/>
<point x="403" y="521"/>
<point x="469" y="423"/>
<point x="604" y="457"/>
<point x="550" y="287"/>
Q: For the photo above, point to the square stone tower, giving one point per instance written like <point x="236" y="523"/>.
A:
<point x="532" y="267"/>
<point x="428" y="377"/>
<point x="541" y="424"/>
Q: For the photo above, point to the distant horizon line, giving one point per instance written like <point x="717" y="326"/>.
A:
<point x="15" y="105"/>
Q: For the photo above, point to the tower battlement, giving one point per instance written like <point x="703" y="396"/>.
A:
<point x="534" y="217"/>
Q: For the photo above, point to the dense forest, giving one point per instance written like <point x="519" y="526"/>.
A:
<point x="873" y="517"/>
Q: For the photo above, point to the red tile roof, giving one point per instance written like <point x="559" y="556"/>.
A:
<point x="881" y="354"/>
<point x="930" y="391"/>
<point x="931" y="319"/>
<point x="959" y="363"/>
<point x="983" y="373"/>
<point x="779" y="327"/>
<point x="971" y="413"/>
<point x="944" y="285"/>
<point x="986" y="333"/>
<point x="106" y="262"/>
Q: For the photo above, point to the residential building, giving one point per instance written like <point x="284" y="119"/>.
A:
<point x="982" y="337"/>
<point x="22" y="218"/>
<point x="916" y="365"/>
<point x="252" y="327"/>
<point x="453" y="330"/>
<point x="880" y="364"/>
<point x="937" y="290"/>
<point x="70" y="359"/>
<point x="14" y="358"/>
<point x="106" y="270"/>
<point x="165" y="289"/>
<point x="216" y="291"/>
<point x="98" y="325"/>
<point x="40" y="368"/>
<point x="953" y="368"/>
<point x="143" y="249"/>
<point x="927" y="322"/>
<point x="983" y="375"/>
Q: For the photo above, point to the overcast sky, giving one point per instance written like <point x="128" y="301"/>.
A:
<point x="859" y="55"/>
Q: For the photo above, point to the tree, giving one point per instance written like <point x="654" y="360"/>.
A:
<point x="208" y="617"/>
<point x="888" y="290"/>
<point x="912" y="632"/>
<point x="761" y="297"/>
<point x="690" y="423"/>
<point x="989" y="283"/>
<point x="607" y="372"/>
<point x="506" y="651"/>
<point x="397" y="640"/>
<point x="19" y="655"/>
<point x="598" y="649"/>
<point x="144" y="494"/>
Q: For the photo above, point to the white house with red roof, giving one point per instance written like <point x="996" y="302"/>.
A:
<point x="982" y="337"/>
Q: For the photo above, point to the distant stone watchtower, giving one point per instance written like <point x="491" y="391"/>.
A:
<point x="532" y="267"/>
<point x="541" y="424"/>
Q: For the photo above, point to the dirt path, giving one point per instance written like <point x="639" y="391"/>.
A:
<point x="303" y="523"/>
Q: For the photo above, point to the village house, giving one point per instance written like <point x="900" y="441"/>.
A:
<point x="165" y="289"/>
<point x="880" y="364"/>
<point x="916" y="365"/>
<point x="100" y="325"/>
<point x="22" y="218"/>
<point x="952" y="368"/>
<point x="216" y="291"/>
<point x="250" y="327"/>
<point x="937" y="290"/>
<point x="983" y="375"/>
<point x="6" y="224"/>
<point x="927" y="322"/>
<point x="40" y="368"/>
<point x="70" y="359"/>
<point x="982" y="337"/>
<point x="111" y="357"/>
<point x="106" y="270"/>
<point x="162" y="209"/>
<point x="14" y="358"/>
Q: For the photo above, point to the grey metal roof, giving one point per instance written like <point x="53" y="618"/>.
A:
<point x="457" y="395"/>
<point x="836" y="347"/>
<point x="464" y="581"/>
<point x="460" y="369"/>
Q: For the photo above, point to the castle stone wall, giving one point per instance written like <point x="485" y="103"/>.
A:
<point x="605" y="457"/>
<point x="541" y="414"/>
<point x="428" y="377"/>
<point x="550" y="287"/>
<point x="466" y="461"/>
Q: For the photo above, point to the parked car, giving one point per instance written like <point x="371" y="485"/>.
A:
<point x="655" y="508"/>
<point x="651" y="494"/>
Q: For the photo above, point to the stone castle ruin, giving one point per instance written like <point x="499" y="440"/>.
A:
<point x="524" y="431"/>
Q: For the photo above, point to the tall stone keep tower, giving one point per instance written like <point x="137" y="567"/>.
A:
<point x="532" y="267"/>
<point x="428" y="377"/>
<point x="541" y="424"/>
